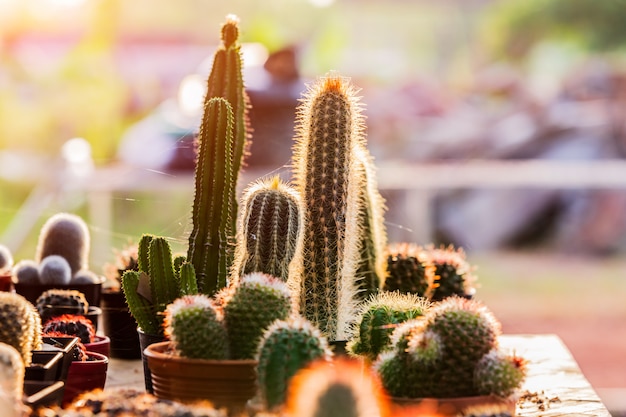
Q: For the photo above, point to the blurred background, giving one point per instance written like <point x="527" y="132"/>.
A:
<point x="89" y="88"/>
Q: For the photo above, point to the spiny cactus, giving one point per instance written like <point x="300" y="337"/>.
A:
<point x="286" y="347"/>
<point x="378" y="317"/>
<point x="371" y="273"/>
<point x="499" y="374"/>
<point x="222" y="141"/>
<point x="454" y="274"/>
<point x="66" y="235"/>
<point x="71" y="325"/>
<point x="11" y="381"/>
<point x="195" y="327"/>
<point x="56" y="302"/>
<point x="156" y="284"/>
<point x="449" y="353"/>
<point x="409" y="270"/>
<point x="270" y="227"/>
<point x="26" y="271"/>
<point x="6" y="260"/>
<point x="336" y="389"/>
<point x="54" y="270"/>
<point x="329" y="129"/>
<point x="21" y="324"/>
<point x="250" y="307"/>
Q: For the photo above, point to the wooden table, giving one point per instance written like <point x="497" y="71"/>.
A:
<point x="555" y="385"/>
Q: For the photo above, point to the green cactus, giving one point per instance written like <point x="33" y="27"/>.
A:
<point x="270" y="228"/>
<point x="498" y="373"/>
<point x="156" y="284"/>
<point x="193" y="325"/>
<point x="66" y="235"/>
<point x="377" y="319"/>
<point x="56" y="302"/>
<point x="454" y="274"/>
<point x="71" y="325"/>
<point x="409" y="270"/>
<point x="222" y="140"/>
<point x="21" y="324"/>
<point x="286" y="347"/>
<point x="371" y="271"/>
<point x="11" y="381"/>
<point x="6" y="260"/>
<point x="447" y="354"/>
<point x="250" y="307"/>
<point x="330" y="128"/>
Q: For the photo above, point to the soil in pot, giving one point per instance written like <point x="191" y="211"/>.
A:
<point x="226" y="383"/>
<point x="120" y="326"/>
<point x="85" y="376"/>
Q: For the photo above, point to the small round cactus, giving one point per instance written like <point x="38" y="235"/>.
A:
<point x="195" y="327"/>
<point x="21" y="324"/>
<point x="454" y="273"/>
<point x="66" y="235"/>
<point x="54" y="270"/>
<point x="26" y="271"/>
<point x="286" y="347"/>
<point x="86" y="277"/>
<point x="6" y="260"/>
<point x="499" y="374"/>
<point x="71" y="325"/>
<point x="11" y="381"/>
<point x="56" y="302"/>
<point x="250" y="307"/>
<point x="377" y="319"/>
<point x="409" y="270"/>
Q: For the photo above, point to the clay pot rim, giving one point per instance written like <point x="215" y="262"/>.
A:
<point x="400" y="400"/>
<point x="165" y="351"/>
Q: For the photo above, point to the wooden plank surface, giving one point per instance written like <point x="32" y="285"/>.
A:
<point x="555" y="385"/>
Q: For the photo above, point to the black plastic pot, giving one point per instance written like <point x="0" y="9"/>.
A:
<point x="44" y="366"/>
<point x="43" y="394"/>
<point x="145" y="340"/>
<point x="120" y="326"/>
<point x="66" y="346"/>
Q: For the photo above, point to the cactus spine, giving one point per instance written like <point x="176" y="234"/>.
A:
<point x="156" y="284"/>
<point x="21" y="324"/>
<point x="194" y="326"/>
<point x="409" y="270"/>
<point x="454" y="273"/>
<point x="329" y="129"/>
<point x="286" y="347"/>
<point x="270" y="235"/>
<point x="222" y="141"/>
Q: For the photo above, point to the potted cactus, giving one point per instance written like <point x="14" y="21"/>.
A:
<point x="214" y="340"/>
<point x="6" y="264"/>
<point x="451" y="355"/>
<point x="61" y="261"/>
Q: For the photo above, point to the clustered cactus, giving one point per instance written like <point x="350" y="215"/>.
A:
<point x="222" y="141"/>
<point x="377" y="319"/>
<point x="21" y="325"/>
<point x="62" y="255"/>
<point x="237" y="316"/>
<point x="160" y="280"/>
<point x="452" y="352"/>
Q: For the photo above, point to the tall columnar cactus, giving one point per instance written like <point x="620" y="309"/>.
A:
<point x="329" y="129"/>
<point x="286" y="347"/>
<point x="156" y="284"/>
<point x="222" y="142"/>
<point x="21" y="324"/>
<point x="410" y="270"/>
<point x="371" y="272"/>
<point x="451" y="352"/>
<point x="339" y="388"/>
<point x="66" y="235"/>
<point x="11" y="381"/>
<point x="377" y="319"/>
<point x="270" y="225"/>
<point x="196" y="328"/>
<point x="250" y="306"/>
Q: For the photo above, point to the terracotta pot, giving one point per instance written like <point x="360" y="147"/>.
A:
<point x="120" y="326"/>
<point x="145" y="340"/>
<point x="226" y="383"/>
<point x="85" y="376"/>
<point x="445" y="407"/>
<point x="101" y="345"/>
